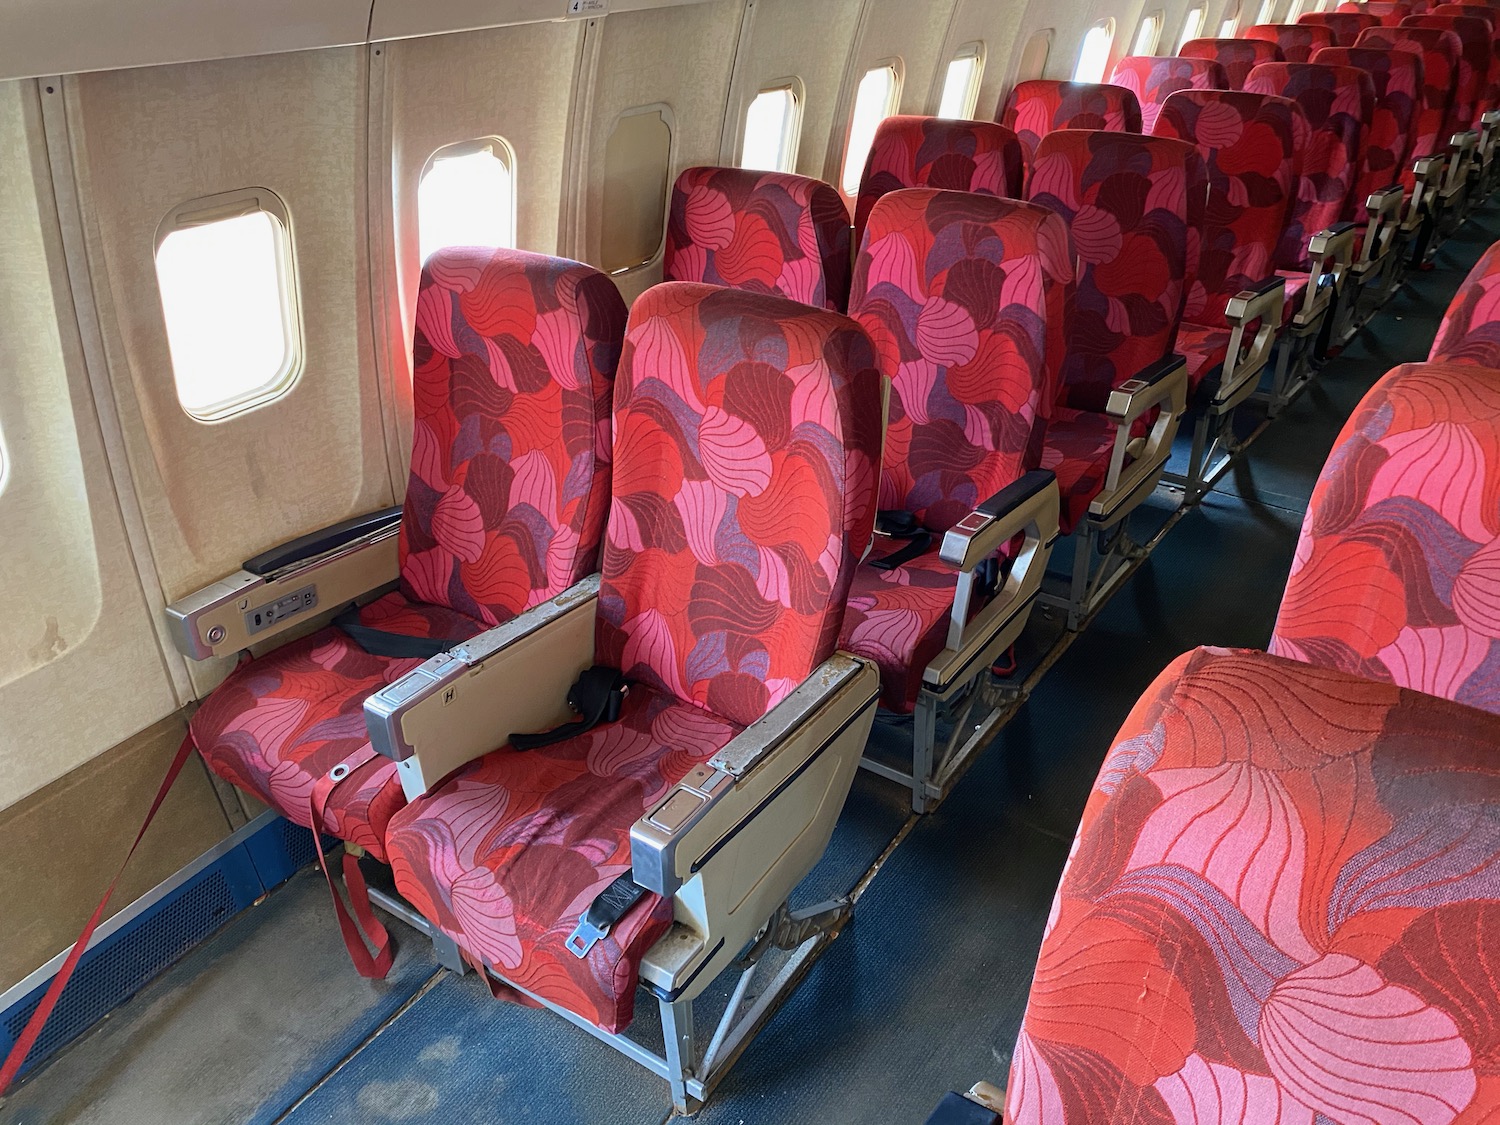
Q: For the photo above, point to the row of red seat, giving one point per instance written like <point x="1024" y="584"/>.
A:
<point x="1282" y="898"/>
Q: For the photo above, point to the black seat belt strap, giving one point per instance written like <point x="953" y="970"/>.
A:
<point x="604" y="913"/>
<point x="392" y="646"/>
<point x="596" y="697"/>
<point x="901" y="525"/>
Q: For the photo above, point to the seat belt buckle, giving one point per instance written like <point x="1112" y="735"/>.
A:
<point x="609" y="906"/>
<point x="585" y="936"/>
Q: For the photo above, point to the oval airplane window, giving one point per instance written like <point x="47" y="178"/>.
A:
<point x="1033" y="62"/>
<point x="1148" y="35"/>
<point x="961" y="83"/>
<point x="637" y="161"/>
<point x="1229" y="22"/>
<point x="772" y="124"/>
<point x="466" y="197"/>
<point x="1192" y="26"/>
<point x="875" y="100"/>
<point x="229" y="299"/>
<point x="1093" y="56"/>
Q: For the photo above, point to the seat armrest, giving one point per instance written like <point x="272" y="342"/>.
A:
<point x="1384" y="210"/>
<point x="1462" y="149"/>
<point x="1427" y="173"/>
<point x="467" y="701"/>
<point x="1134" y="397"/>
<point x="1247" y="359"/>
<point x="980" y="534"/>
<point x="1331" y="253"/>
<point x="283" y="587"/>
<point x="1162" y="387"/>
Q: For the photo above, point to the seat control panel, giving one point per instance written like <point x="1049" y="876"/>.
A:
<point x="261" y="618"/>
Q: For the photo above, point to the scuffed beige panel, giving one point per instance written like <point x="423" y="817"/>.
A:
<point x="145" y="141"/>
<point x="80" y="669"/>
<point x="680" y="58"/>
<point x="794" y="39"/>
<point x="512" y="82"/>
<point x="66" y="841"/>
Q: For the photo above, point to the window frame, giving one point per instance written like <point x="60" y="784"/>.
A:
<point x="1192" y="25"/>
<point x="206" y="210"/>
<point x="897" y="68"/>
<point x="669" y="119"/>
<point x="791" y="140"/>
<point x="494" y="144"/>
<point x="1110" y="29"/>
<point x="1229" y="20"/>
<point x="1267" y="13"/>
<point x="973" y="52"/>
<point x="1043" y="36"/>
<point x="1157" y="22"/>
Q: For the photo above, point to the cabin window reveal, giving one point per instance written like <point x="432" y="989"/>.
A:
<point x="876" y="99"/>
<point x="466" y="197"/>
<point x="1148" y="35"/>
<point x="1093" y="56"/>
<point x="1229" y="22"/>
<point x="961" y="83"/>
<point x="1033" y="62"/>
<point x="772" y="125"/>
<point x="637" y="161"/>
<point x="225" y="273"/>
<point x="1191" y="26"/>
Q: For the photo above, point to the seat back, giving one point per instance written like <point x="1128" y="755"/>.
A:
<point x="1297" y="41"/>
<point x="1489" y="96"/>
<point x="1393" y="578"/>
<point x="766" y="232"/>
<point x="1043" y="105"/>
<point x="747" y="431"/>
<point x="1248" y="145"/>
<point x="1439" y="51"/>
<point x="964" y="297"/>
<point x="1238" y="57"/>
<point x="1133" y="205"/>
<point x="1470" y="332"/>
<point x="1280" y="907"/>
<point x="1396" y="79"/>
<point x="1154" y="78"/>
<point x="514" y="360"/>
<point x="1389" y="12"/>
<point x="1343" y="26"/>
<point x="1476" y="48"/>
<point x="1338" y="103"/>
<point x="908" y="152"/>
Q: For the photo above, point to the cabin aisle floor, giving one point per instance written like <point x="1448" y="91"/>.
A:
<point x="267" y="1023"/>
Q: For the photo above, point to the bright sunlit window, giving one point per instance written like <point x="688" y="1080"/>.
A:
<point x="876" y="99"/>
<point x="1093" y="56"/>
<point x="228" y="296"/>
<point x="1192" y="27"/>
<point x="466" y="197"/>
<point x="961" y="84"/>
<point x="1148" y="35"/>
<point x="771" y="128"/>
<point x="1229" y="22"/>
<point x="1267" y="12"/>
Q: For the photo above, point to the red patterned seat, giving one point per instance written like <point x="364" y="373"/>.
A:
<point x="964" y="298"/>
<point x="1476" y="50"/>
<point x="1470" y="332"/>
<point x="1394" y="577"/>
<point x="1154" y="78"/>
<point x="1489" y="96"/>
<point x="1297" y="41"/>
<point x="1044" y="105"/>
<point x="1390" y="13"/>
<point x="1238" y="57"/>
<point x="514" y="358"/>
<point x="1338" y="103"/>
<point x="1248" y="144"/>
<point x="1131" y="204"/>
<point x="1439" y="51"/>
<point x="1343" y="26"/>
<point x="913" y="152"/>
<point x="1396" y="78"/>
<point x="746" y="432"/>
<point x="1280" y="908"/>
<point x="765" y="232"/>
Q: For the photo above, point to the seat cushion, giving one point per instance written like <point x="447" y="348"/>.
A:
<point x="1079" y="444"/>
<point x="506" y="855"/>
<point x="282" y="721"/>
<point x="1205" y="350"/>
<point x="899" y="619"/>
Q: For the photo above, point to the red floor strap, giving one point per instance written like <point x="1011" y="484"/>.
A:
<point x="28" y="1036"/>
<point x="362" y="930"/>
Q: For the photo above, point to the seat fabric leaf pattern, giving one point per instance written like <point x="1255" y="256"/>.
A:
<point x="1298" y="41"/>
<point x="1345" y="27"/>
<point x="1337" y="103"/>
<point x="1396" y="78"/>
<point x="764" y="232"/>
<point x="1238" y="57"/>
<point x="1248" y="143"/>
<point x="514" y="357"/>
<point x="1439" y="51"/>
<point x="1390" y="13"/>
<point x="1279" y="908"/>
<point x="1470" y="332"/>
<point x="1154" y="78"/>
<point x="933" y="152"/>
<point x="747" y="428"/>
<point x="1476" y="49"/>
<point x="1044" y="105"/>
<point x="964" y="298"/>
<point x="1489" y="96"/>
<point x="1394" y="573"/>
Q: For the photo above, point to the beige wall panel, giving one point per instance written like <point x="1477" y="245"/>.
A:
<point x="679" y="57"/>
<point x="69" y="838"/>
<point x="147" y="140"/>
<point x="79" y="665"/>
<point x="794" y="39"/>
<point x="514" y="83"/>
